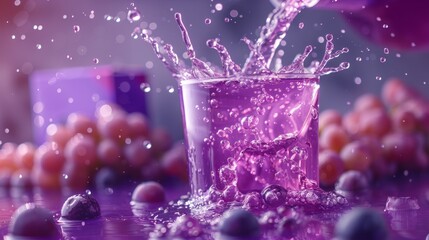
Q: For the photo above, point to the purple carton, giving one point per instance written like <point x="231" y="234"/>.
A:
<point x="57" y="93"/>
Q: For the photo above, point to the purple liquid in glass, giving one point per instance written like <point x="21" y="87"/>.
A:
<point x="251" y="132"/>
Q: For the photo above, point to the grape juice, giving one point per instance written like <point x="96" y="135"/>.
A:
<point x="251" y="128"/>
<point x="251" y="132"/>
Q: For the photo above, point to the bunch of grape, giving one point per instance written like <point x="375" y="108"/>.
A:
<point x="83" y="151"/>
<point x="379" y="137"/>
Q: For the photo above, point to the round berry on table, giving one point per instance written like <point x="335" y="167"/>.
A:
<point x="148" y="192"/>
<point x="31" y="221"/>
<point x="80" y="207"/>
<point x="239" y="223"/>
<point x="361" y="223"/>
<point x="330" y="167"/>
<point x="352" y="182"/>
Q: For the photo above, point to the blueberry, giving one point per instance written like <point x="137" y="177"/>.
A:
<point x="106" y="178"/>
<point x="148" y="192"/>
<point x="361" y="223"/>
<point x="239" y="223"/>
<point x="32" y="221"/>
<point x="80" y="207"/>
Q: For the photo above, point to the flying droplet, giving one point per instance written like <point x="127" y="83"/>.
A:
<point x="133" y="15"/>
<point x="76" y="28"/>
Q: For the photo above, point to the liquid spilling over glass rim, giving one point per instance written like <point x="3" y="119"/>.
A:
<point x="262" y="51"/>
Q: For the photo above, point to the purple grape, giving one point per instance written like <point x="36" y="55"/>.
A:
<point x="149" y="192"/>
<point x="274" y="195"/>
<point x="32" y="221"/>
<point x="80" y="207"/>
<point x="352" y="182"/>
<point x="361" y="223"/>
<point x="239" y="223"/>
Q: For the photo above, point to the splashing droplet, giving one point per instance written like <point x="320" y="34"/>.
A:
<point x="76" y="28"/>
<point x="133" y="15"/>
<point x="145" y="87"/>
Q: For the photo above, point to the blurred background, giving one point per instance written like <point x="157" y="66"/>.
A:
<point x="44" y="34"/>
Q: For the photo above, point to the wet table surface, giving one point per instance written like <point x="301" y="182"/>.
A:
<point x="119" y="220"/>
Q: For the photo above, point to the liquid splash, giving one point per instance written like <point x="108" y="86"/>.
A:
<point x="261" y="54"/>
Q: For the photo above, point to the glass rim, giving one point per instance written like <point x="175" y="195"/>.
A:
<point x="237" y="77"/>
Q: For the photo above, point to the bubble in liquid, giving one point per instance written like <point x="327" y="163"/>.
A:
<point x="301" y="25"/>
<point x="385" y="26"/>
<point x="378" y="78"/>
<point x="207" y="21"/>
<point x="382" y="59"/>
<point x="13" y="36"/>
<point x="359" y="59"/>
<point x="133" y="15"/>
<point x="227" y="20"/>
<point x="76" y="28"/>
<point x="92" y="15"/>
<point x="95" y="60"/>
<point x="136" y="33"/>
<point x="386" y="51"/>
<point x="218" y="7"/>
<point x="39" y="46"/>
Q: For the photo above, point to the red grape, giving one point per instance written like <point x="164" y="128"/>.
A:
<point x="115" y="127"/>
<point x="79" y="123"/>
<point x="58" y="134"/>
<point x="356" y="156"/>
<point x="138" y="152"/>
<point x="24" y="155"/>
<point x="400" y="147"/>
<point x="138" y="124"/>
<point x="109" y="152"/>
<point x="334" y="137"/>
<point x="49" y="157"/>
<point x="44" y="179"/>
<point x="368" y="102"/>
<point x="395" y="92"/>
<point x="351" y="122"/>
<point x="330" y="167"/>
<point x="7" y="156"/>
<point x="404" y="119"/>
<point x="148" y="192"/>
<point x="329" y="117"/>
<point x="81" y="150"/>
<point x="374" y="122"/>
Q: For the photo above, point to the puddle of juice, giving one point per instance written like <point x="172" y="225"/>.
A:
<point x="119" y="219"/>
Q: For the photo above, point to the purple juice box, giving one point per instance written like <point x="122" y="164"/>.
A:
<point x="57" y="93"/>
<point x="250" y="132"/>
